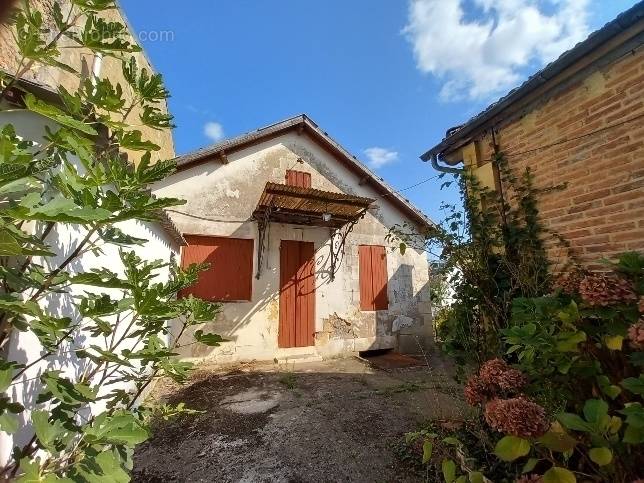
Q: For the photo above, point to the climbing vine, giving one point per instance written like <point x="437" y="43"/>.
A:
<point x="490" y="250"/>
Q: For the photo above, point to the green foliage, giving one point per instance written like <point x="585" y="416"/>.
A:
<point x="509" y="448"/>
<point x="122" y="323"/>
<point x="581" y="361"/>
<point x="490" y="253"/>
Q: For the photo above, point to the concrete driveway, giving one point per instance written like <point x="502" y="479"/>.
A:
<point x="310" y="422"/>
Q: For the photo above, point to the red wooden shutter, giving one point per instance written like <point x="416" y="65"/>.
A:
<point x="298" y="178"/>
<point x="373" y="277"/>
<point x="230" y="276"/>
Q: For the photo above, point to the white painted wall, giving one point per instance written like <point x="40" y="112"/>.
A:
<point x="24" y="347"/>
<point x="220" y="200"/>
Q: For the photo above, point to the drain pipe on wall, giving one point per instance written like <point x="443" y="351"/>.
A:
<point x="444" y="169"/>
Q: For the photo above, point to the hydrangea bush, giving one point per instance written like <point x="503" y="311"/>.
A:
<point x="563" y="403"/>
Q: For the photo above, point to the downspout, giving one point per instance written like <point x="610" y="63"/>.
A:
<point x="444" y="169"/>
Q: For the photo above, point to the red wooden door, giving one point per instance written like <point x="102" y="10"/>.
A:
<point x="297" y="294"/>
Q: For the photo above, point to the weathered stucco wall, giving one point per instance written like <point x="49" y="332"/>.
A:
<point x="85" y="62"/>
<point x="220" y="200"/>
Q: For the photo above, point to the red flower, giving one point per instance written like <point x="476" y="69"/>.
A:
<point x="497" y="373"/>
<point x="476" y="391"/>
<point x="517" y="417"/>
<point x="603" y="290"/>
<point x="569" y="283"/>
<point x="636" y="334"/>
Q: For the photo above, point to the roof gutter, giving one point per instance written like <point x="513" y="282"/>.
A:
<point x="433" y="159"/>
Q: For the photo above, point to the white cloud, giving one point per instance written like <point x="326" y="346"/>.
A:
<point x="379" y="157"/>
<point x="214" y="131"/>
<point x="479" y="58"/>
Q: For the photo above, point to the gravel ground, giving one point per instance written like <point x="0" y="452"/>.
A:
<point x="331" y="421"/>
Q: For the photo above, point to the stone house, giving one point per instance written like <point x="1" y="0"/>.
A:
<point x="578" y="122"/>
<point x="294" y="228"/>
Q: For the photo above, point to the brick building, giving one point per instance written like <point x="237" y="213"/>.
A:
<point x="579" y="122"/>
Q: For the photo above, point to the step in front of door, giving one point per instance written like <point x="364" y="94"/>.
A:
<point x="298" y="354"/>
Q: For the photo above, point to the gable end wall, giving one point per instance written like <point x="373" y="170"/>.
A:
<point x="220" y="201"/>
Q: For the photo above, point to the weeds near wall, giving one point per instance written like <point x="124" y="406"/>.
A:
<point x="99" y="354"/>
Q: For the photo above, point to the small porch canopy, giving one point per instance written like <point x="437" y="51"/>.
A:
<point x="280" y="203"/>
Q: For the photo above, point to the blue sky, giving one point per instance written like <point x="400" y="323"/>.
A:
<point x="385" y="78"/>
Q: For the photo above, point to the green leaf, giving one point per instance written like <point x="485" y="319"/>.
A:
<point x="427" y="451"/>
<point x="529" y="465"/>
<point x="101" y="278"/>
<point x="9" y="246"/>
<point x="8" y="423"/>
<point x="45" y="431"/>
<point x="30" y="471"/>
<point x="559" y="475"/>
<point x="634" y="385"/>
<point x="402" y="247"/>
<point x="615" y="424"/>
<point x="634" y="413"/>
<point x="121" y="428"/>
<point x="116" y="236"/>
<point x="614" y="342"/>
<point x="52" y="112"/>
<point x="212" y="340"/>
<point x="601" y="456"/>
<point x="476" y="477"/>
<point x="572" y="421"/>
<point x="6" y="374"/>
<point x="65" y="391"/>
<point x="611" y="390"/>
<point x="58" y="209"/>
<point x="510" y="448"/>
<point x="104" y="467"/>
<point x="133" y="141"/>
<point x="569" y="342"/>
<point x="452" y="441"/>
<point x="10" y="303"/>
<point x="558" y="441"/>
<point x="595" y="410"/>
<point x="449" y="470"/>
<point x="633" y="435"/>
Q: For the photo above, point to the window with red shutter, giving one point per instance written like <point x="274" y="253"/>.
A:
<point x="230" y="276"/>
<point x="298" y="178"/>
<point x="373" y="277"/>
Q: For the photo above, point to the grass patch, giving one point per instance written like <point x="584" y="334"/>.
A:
<point x="405" y="387"/>
<point x="289" y="380"/>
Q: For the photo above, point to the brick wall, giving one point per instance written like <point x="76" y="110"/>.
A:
<point x="601" y="212"/>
